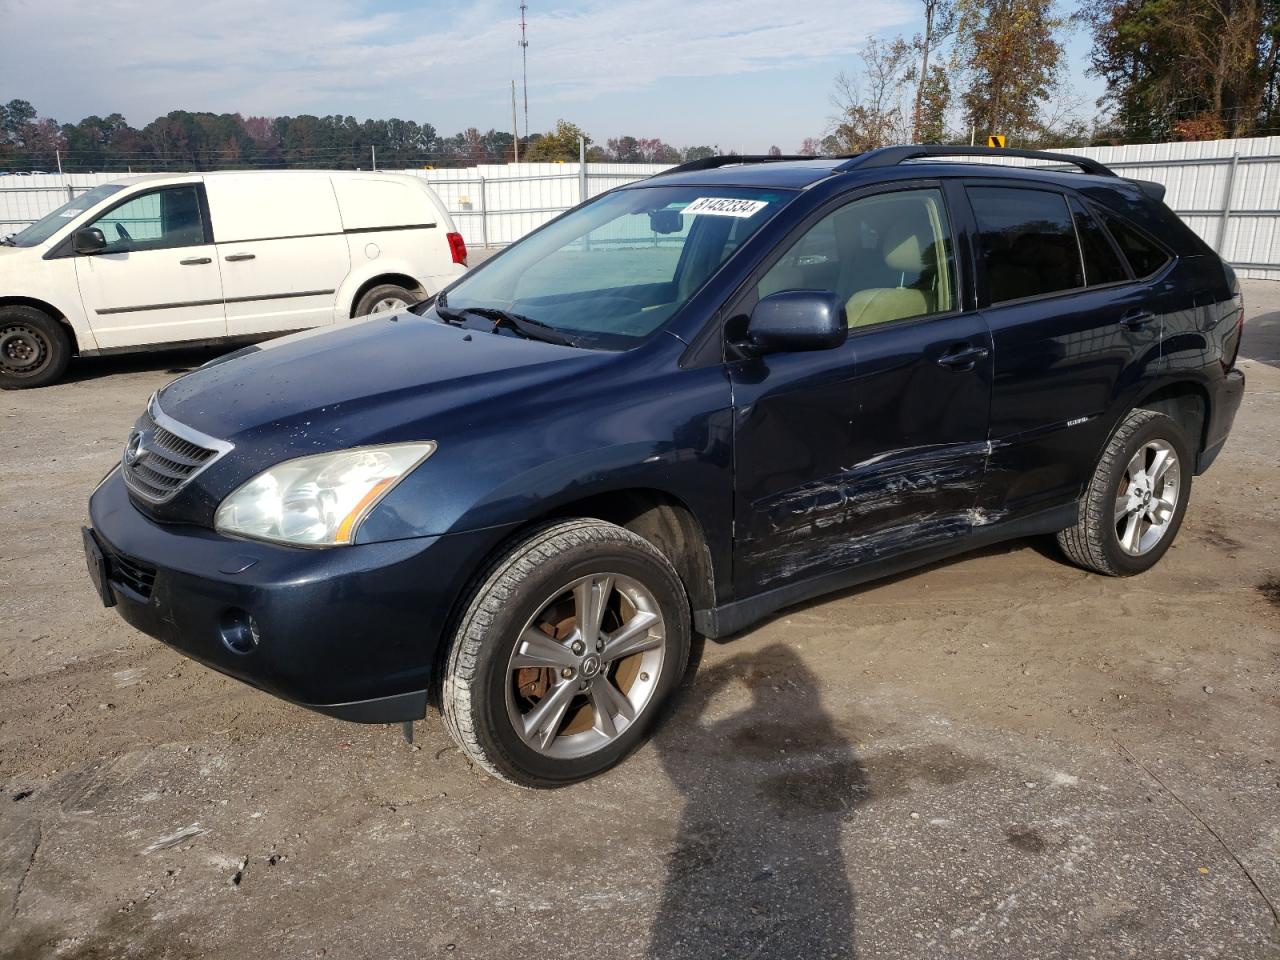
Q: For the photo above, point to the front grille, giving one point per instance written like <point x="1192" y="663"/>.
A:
<point x="159" y="460"/>
<point x="131" y="574"/>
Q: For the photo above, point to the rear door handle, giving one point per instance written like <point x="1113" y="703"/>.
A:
<point x="235" y="257"/>
<point x="1137" y="319"/>
<point x="196" y="261"/>
<point x="963" y="357"/>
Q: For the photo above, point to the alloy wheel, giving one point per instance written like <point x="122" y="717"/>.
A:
<point x="585" y="666"/>
<point x="1147" y="498"/>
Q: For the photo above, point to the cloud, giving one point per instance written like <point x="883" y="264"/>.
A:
<point x="145" y="57"/>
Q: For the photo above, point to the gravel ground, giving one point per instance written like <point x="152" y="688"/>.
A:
<point x="997" y="756"/>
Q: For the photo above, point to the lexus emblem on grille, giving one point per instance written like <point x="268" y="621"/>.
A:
<point x="133" y="450"/>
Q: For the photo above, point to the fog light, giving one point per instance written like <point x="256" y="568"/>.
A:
<point x="239" y="631"/>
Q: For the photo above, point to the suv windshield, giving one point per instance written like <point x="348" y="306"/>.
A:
<point x="43" y="229"/>
<point x="614" y="271"/>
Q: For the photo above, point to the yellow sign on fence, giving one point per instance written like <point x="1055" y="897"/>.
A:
<point x="996" y="140"/>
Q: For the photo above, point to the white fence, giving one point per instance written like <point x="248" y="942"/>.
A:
<point x="1228" y="191"/>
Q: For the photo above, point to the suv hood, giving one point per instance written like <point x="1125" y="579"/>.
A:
<point x="380" y="380"/>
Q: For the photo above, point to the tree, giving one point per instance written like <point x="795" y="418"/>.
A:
<point x="1186" y="68"/>
<point x="871" y="113"/>
<point x="811" y="147"/>
<point x="560" y="144"/>
<point x="933" y="101"/>
<point x="698" y="153"/>
<point x="939" y="21"/>
<point x="1011" y="55"/>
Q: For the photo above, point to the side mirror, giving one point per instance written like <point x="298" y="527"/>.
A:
<point x="88" y="240"/>
<point x="795" y="320"/>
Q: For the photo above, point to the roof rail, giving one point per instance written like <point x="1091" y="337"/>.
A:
<point x="892" y="156"/>
<point x="726" y="160"/>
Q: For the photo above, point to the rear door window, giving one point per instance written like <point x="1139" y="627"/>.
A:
<point x="1143" y="254"/>
<point x="1026" y="242"/>
<point x="1101" y="262"/>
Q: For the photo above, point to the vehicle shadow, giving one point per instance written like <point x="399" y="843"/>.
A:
<point x="757" y="869"/>
<point x="176" y="361"/>
<point x="1261" y="339"/>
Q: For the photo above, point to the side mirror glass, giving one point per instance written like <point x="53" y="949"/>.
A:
<point x="88" y="240"/>
<point x="795" y="320"/>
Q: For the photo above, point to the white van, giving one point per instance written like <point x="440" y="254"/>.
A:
<point x="168" y="259"/>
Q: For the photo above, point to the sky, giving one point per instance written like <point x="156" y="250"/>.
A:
<point x="738" y="74"/>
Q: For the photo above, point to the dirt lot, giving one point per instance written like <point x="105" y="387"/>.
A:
<point x="1000" y="756"/>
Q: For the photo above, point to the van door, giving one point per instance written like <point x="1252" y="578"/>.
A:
<point x="157" y="281"/>
<point x="281" y="249"/>
<point x="876" y="448"/>
<point x="1073" y="332"/>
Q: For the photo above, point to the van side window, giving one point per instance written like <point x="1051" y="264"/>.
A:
<point x="1101" y="262"/>
<point x="1143" y="254"/>
<point x="157" y="220"/>
<point x="887" y="257"/>
<point x="1026" y="242"/>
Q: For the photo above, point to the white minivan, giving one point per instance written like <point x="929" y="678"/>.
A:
<point x="168" y="259"/>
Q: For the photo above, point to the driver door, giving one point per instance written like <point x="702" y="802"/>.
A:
<point x="157" y="280"/>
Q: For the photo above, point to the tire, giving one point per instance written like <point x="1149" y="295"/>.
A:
<point x="378" y="299"/>
<point x="34" y="348"/>
<point x="1098" y="540"/>
<point x="485" y="692"/>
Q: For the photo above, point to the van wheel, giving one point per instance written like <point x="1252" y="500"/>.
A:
<point x="385" y="298"/>
<point x="34" y="348"/>
<point x="565" y="654"/>
<point x="1136" y="500"/>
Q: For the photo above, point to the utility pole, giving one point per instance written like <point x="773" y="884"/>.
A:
<point x="373" y="157"/>
<point x="515" y="128"/>
<point x="524" y="64"/>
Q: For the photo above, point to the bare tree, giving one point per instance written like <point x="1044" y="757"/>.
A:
<point x="870" y="110"/>
<point x="939" y="21"/>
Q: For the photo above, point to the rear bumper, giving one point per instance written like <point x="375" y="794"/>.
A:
<point x="1223" y="405"/>
<point x="351" y="631"/>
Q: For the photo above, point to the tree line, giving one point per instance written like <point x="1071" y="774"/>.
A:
<point x="206" y="141"/>
<point x="1174" y="70"/>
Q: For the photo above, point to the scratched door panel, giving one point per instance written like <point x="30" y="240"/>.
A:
<point x="859" y="453"/>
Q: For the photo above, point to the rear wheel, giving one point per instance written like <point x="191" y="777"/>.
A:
<point x="34" y="348"/>
<point x="1136" y="500"/>
<point x="565" y="654"/>
<point x="385" y="298"/>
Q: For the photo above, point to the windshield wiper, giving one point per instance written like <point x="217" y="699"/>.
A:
<point x="7" y="241"/>
<point x="525" y="326"/>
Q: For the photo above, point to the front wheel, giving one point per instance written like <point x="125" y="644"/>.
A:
<point x="565" y="654"/>
<point x="1136" y="499"/>
<point x="34" y="348"/>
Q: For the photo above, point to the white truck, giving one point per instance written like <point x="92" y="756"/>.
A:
<point x="163" y="260"/>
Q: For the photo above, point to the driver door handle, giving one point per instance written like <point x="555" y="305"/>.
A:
<point x="196" y="261"/>
<point x="235" y="257"/>
<point x="1137" y="319"/>
<point x="963" y="356"/>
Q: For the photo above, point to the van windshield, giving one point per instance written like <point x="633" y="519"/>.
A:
<point x="615" y="270"/>
<point x="51" y="223"/>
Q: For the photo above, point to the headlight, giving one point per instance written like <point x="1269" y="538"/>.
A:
<point x="320" y="500"/>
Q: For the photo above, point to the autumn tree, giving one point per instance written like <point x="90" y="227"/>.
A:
<point x="559" y="144"/>
<point x="1010" y="55"/>
<point x="932" y="87"/>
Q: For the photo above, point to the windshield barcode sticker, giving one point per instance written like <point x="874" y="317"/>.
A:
<point x="724" y="207"/>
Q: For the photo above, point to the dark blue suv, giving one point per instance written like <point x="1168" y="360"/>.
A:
<point x="679" y="407"/>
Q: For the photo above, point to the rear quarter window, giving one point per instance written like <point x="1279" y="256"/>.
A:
<point x="1145" y="256"/>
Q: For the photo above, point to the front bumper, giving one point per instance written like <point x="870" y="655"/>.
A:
<point x="349" y="631"/>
